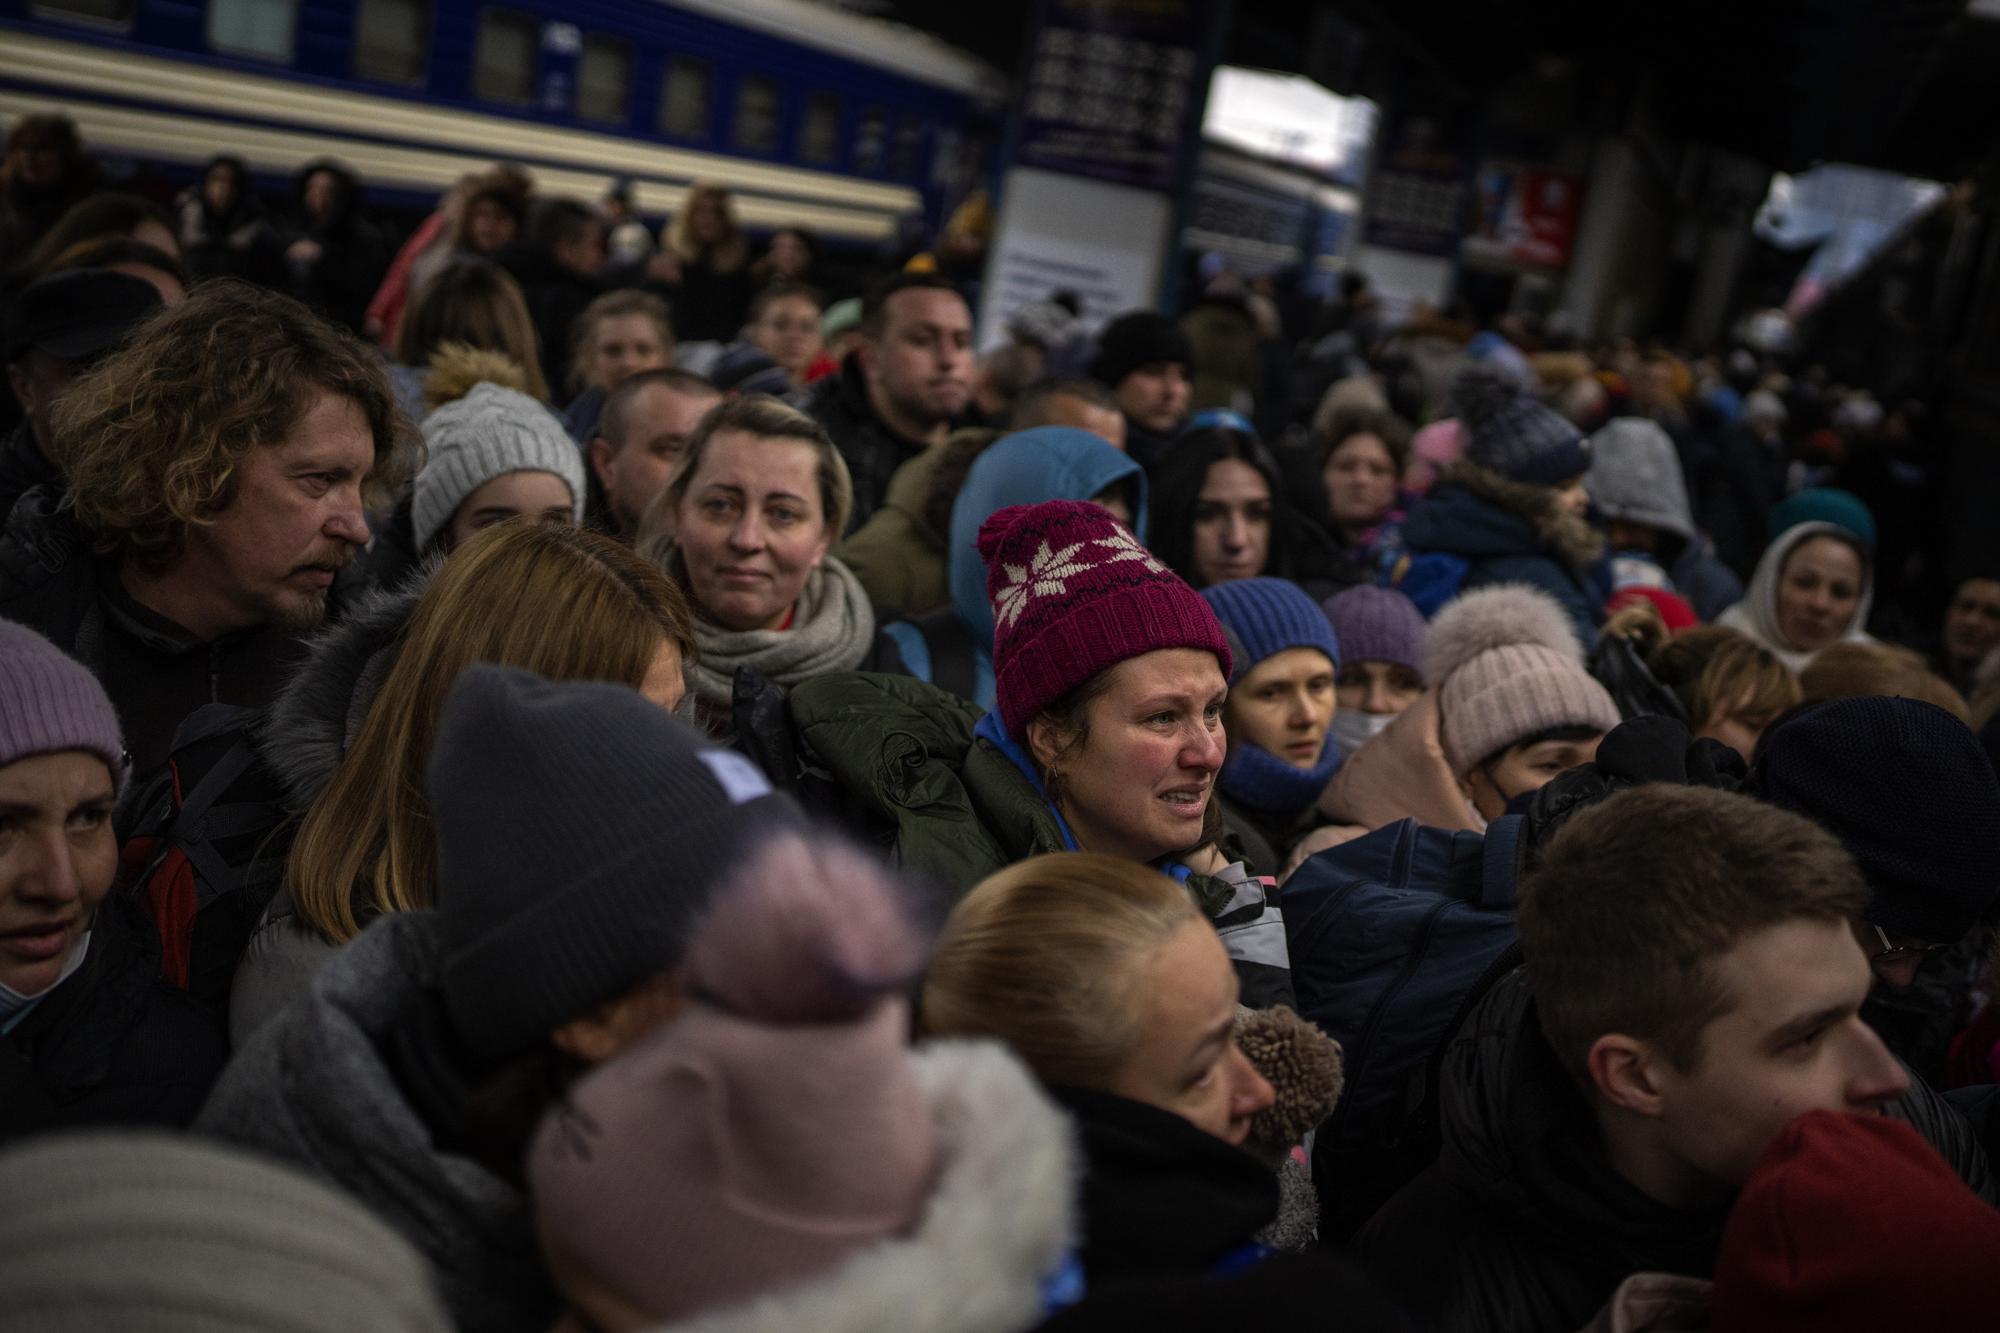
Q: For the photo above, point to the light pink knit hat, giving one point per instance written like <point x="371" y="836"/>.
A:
<point x="1506" y="664"/>
<point x="775" y="1128"/>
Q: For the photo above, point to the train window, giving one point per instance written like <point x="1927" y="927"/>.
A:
<point x="685" y="99"/>
<point x="871" y="141"/>
<point x="95" y="11"/>
<point x="909" y="145"/>
<point x="504" y="58"/>
<point x="253" y="27"/>
<point x="392" y="40"/>
<point x="755" y="129"/>
<point x="603" y="78"/>
<point x="819" y="132"/>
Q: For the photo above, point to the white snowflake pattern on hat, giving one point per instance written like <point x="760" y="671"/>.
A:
<point x="1044" y="575"/>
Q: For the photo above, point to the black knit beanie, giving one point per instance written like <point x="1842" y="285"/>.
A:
<point x="579" y="828"/>
<point x="1907" y="788"/>
<point x="1140" y="338"/>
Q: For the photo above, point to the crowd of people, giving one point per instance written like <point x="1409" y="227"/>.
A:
<point x="564" y="776"/>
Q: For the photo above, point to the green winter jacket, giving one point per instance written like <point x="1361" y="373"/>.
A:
<point x="950" y="807"/>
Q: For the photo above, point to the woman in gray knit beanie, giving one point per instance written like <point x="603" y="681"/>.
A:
<point x="489" y="456"/>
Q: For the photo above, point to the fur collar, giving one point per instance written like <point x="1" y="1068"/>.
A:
<point x="1000" y="1220"/>
<point x="1568" y="536"/>
<point x="313" y="720"/>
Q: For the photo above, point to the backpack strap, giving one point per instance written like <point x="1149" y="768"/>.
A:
<point x="1499" y="860"/>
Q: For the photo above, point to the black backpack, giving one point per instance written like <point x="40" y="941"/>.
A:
<point x="204" y="849"/>
<point x="1394" y="937"/>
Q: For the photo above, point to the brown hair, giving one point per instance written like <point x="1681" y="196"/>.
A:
<point x="1348" y="422"/>
<point x="1853" y="670"/>
<point x="611" y="420"/>
<point x="478" y="303"/>
<point x="781" y="289"/>
<point x="1636" y="897"/>
<point x="611" y="305"/>
<point x="151" y="437"/>
<point x="1045" y="956"/>
<point x="366" y="845"/>
<point x="508" y="189"/>
<point x="767" y="418"/>
<point x="1715" y="671"/>
<point x="732" y="251"/>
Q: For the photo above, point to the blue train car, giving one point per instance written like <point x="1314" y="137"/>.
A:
<point x="814" y="117"/>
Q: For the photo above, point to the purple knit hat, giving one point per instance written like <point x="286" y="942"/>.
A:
<point x="1074" y="593"/>
<point x="50" y="702"/>
<point x="1377" y="625"/>
<point x="775" y="1129"/>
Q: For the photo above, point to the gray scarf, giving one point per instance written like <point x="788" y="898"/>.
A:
<point x="832" y="629"/>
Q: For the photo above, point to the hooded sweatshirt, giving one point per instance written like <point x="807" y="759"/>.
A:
<point x="1756" y="616"/>
<point x="1046" y="463"/>
<point x="1635" y="477"/>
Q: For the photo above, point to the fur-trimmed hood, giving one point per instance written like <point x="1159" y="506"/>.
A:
<point x="1521" y="520"/>
<point x="1000" y="1222"/>
<point x="312" y="722"/>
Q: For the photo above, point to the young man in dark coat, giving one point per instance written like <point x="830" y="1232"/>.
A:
<point x="1692" y="984"/>
<point x="217" y="468"/>
<point x="903" y="390"/>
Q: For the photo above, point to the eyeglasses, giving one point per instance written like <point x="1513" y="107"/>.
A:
<point x="1900" y="953"/>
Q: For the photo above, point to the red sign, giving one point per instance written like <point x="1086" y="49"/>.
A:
<point x="1525" y="215"/>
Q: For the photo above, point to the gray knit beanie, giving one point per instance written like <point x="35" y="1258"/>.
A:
<point x="49" y="702"/>
<point x="1506" y="665"/>
<point x="486" y="434"/>
<point x="157" y="1233"/>
<point x="580" y="829"/>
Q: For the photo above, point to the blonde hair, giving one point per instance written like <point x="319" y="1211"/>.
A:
<point x="767" y="418"/>
<point x="366" y="845"/>
<point x="728" y="254"/>
<point x="1715" y="671"/>
<point x="1045" y="956"/>
<point x="1854" y="670"/>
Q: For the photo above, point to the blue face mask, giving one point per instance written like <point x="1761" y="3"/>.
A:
<point x="1353" y="728"/>
<point x="1255" y="777"/>
<point x="14" y="1006"/>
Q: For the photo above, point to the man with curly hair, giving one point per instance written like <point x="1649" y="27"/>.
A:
<point x="218" y="466"/>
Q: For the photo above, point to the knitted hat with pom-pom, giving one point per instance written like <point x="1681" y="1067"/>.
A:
<point x="773" y="1129"/>
<point x="1507" y="665"/>
<point x="1510" y="433"/>
<point x="1074" y="594"/>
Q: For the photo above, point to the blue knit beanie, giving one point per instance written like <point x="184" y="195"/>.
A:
<point x="1908" y="790"/>
<point x="1267" y="616"/>
<point x="1510" y="433"/>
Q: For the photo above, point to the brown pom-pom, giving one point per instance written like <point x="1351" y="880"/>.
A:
<point x="1303" y="1067"/>
<point x="457" y="369"/>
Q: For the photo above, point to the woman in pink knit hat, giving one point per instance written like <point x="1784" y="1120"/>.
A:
<point x="1106" y="734"/>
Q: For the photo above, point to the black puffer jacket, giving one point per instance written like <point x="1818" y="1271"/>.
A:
<point x="1523" y="1223"/>
<point x="111" y="1045"/>
<point x="871" y="449"/>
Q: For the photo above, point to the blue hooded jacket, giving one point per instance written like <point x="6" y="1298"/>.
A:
<point x="1046" y="463"/>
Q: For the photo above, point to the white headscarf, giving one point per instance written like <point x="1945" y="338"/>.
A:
<point x="1756" y="616"/>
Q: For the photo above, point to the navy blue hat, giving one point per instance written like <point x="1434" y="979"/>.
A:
<point x="1508" y="432"/>
<point x="1908" y="790"/>
<point x="1267" y="616"/>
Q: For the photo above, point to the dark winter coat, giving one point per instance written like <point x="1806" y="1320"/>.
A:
<point x="950" y="800"/>
<point x="23" y="466"/>
<point x="155" y="672"/>
<point x="318" y="1089"/>
<point x="300" y="741"/>
<point x="555" y="296"/>
<point x="871" y="449"/>
<point x="354" y="252"/>
<point x="1523" y="1223"/>
<point x="1507" y="532"/>
<point x="710" y="304"/>
<point x="1161" y="1197"/>
<point x="112" y="1044"/>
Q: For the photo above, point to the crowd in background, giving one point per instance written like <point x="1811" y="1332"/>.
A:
<point x="563" y="772"/>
